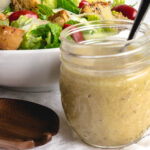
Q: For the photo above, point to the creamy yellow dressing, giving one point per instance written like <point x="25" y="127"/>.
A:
<point x="106" y="110"/>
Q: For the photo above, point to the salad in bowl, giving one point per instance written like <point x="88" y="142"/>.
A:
<point x="37" y="24"/>
<point x="30" y="37"/>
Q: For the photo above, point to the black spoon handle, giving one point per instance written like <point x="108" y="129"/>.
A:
<point x="142" y="11"/>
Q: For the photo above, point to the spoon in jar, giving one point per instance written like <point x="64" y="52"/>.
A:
<point x="141" y="13"/>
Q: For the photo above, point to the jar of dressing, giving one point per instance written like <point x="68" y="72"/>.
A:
<point x="105" y="82"/>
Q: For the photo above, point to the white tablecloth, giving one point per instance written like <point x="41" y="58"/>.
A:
<point x="65" y="140"/>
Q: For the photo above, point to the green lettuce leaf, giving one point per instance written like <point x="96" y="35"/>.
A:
<point x="8" y="10"/>
<point x="50" y="3"/>
<point x="21" y="22"/>
<point x="4" y="22"/>
<point x="92" y="17"/>
<point x="44" y="11"/>
<point x="68" y="5"/>
<point x="72" y="22"/>
<point x="118" y="2"/>
<point x="114" y="13"/>
<point x="43" y="36"/>
<point x="76" y="2"/>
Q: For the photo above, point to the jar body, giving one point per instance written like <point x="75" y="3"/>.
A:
<point x="106" y="108"/>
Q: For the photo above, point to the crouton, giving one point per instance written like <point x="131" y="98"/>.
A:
<point x="10" y="37"/>
<point x="25" y="4"/>
<point x="60" y="17"/>
<point x="100" y="8"/>
<point x="2" y="17"/>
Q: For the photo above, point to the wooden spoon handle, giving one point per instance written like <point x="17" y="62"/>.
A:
<point x="16" y="145"/>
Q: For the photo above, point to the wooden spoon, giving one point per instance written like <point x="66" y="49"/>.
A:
<point x="24" y="125"/>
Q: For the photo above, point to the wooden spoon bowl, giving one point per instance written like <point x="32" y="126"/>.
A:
<point x="24" y="125"/>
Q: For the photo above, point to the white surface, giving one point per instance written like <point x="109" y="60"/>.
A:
<point x="64" y="140"/>
<point x="30" y="69"/>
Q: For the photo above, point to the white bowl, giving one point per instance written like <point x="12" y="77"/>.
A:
<point x="30" y="70"/>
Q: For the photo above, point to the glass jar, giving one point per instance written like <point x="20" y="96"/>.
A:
<point x="105" y="82"/>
